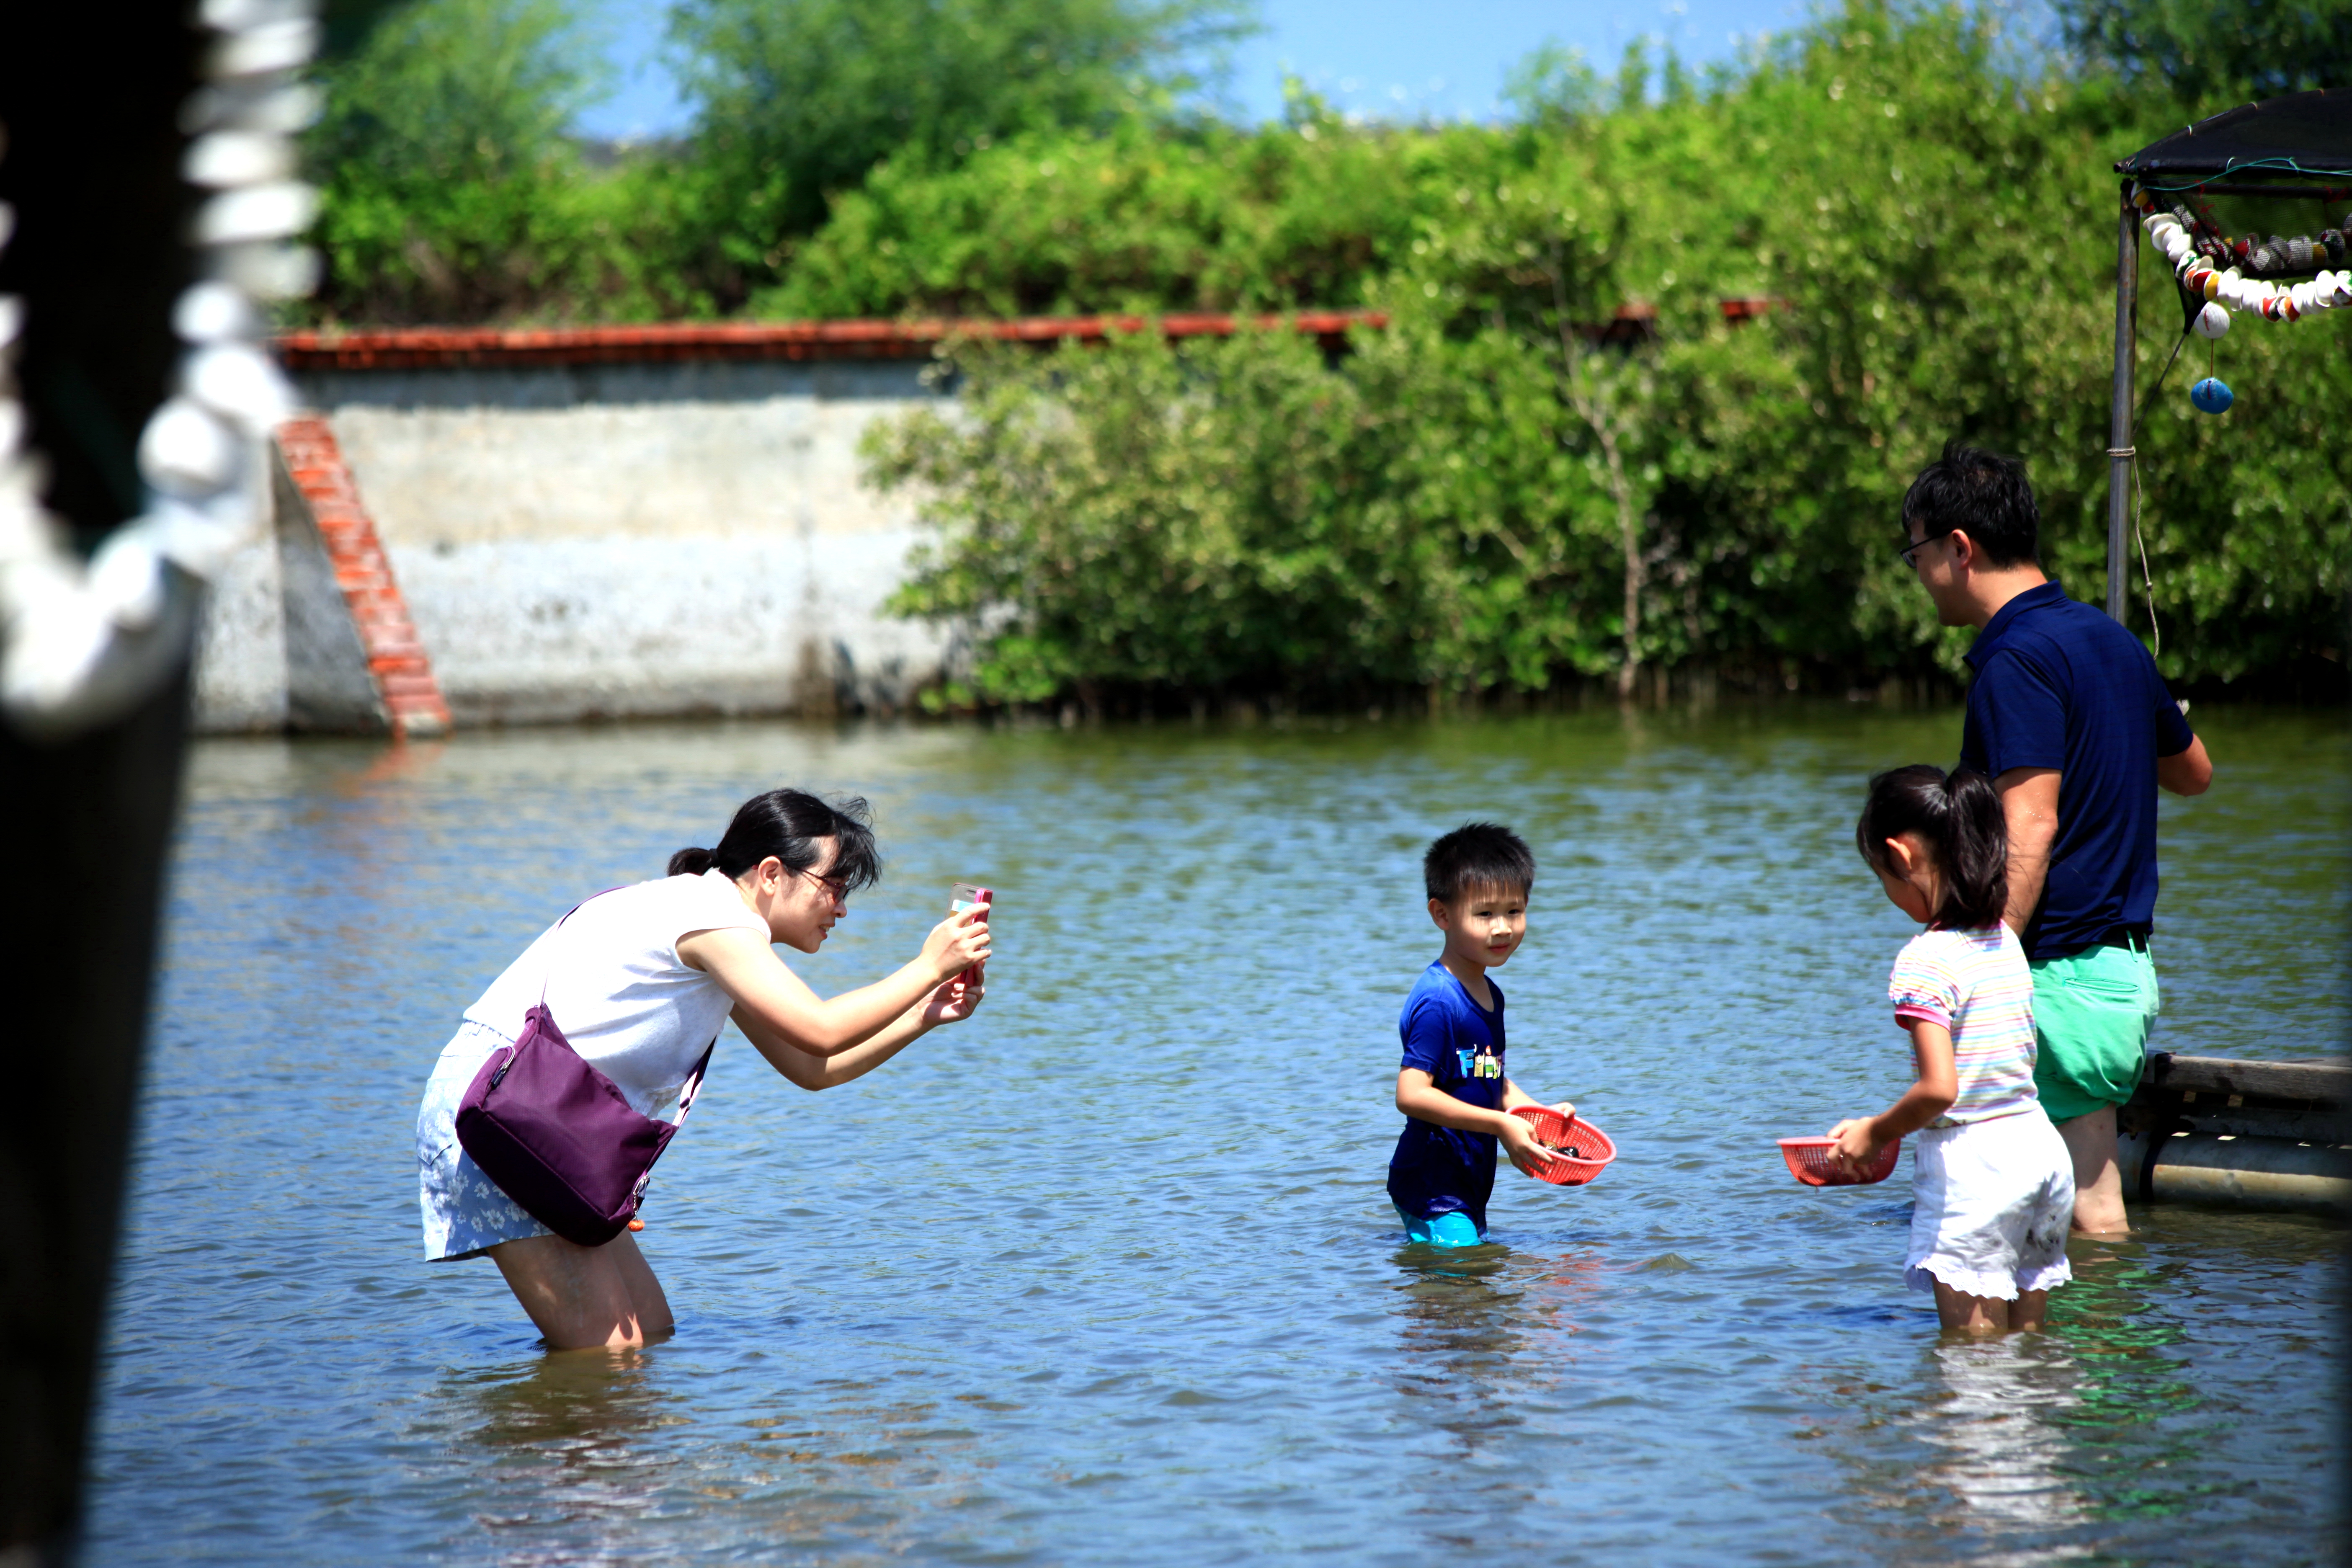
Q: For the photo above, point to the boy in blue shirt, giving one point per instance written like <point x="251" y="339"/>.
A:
<point x="1450" y="1084"/>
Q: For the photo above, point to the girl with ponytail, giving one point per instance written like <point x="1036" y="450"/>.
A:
<point x="640" y="981"/>
<point x="1992" y="1184"/>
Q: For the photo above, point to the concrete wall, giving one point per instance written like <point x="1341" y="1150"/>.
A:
<point x="277" y="648"/>
<point x="590" y="540"/>
<point x="240" y="682"/>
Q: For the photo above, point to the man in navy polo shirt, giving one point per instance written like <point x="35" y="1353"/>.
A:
<point x="2069" y="719"/>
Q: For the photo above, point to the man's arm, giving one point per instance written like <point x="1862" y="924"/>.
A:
<point x="2029" y="801"/>
<point x="2186" y="772"/>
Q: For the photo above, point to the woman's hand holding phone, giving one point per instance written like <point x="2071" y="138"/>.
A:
<point x="966" y="896"/>
<point x="958" y="945"/>
<point x="953" y="1003"/>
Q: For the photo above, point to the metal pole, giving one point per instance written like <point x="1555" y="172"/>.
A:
<point x="2119" y="415"/>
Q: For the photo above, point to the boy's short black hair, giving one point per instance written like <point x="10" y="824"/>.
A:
<point x="1981" y="494"/>
<point x="1477" y="855"/>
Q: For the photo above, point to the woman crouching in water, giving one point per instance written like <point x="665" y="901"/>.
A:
<point x="640" y="981"/>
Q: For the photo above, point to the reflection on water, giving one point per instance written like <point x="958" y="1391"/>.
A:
<point x="2139" y="1415"/>
<point x="1973" y="1451"/>
<point x="1462" y="1340"/>
<point x="577" y="1462"/>
<point x="1110" y="1276"/>
<point x="1487" y="1364"/>
<point x="568" y="1443"/>
<point x="1998" y="1420"/>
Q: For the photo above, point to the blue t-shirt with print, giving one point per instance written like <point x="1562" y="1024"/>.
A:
<point x="1441" y="1170"/>
<point x="2059" y="684"/>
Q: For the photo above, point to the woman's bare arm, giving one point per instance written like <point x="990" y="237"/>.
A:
<point x="948" y="1004"/>
<point x="784" y="1006"/>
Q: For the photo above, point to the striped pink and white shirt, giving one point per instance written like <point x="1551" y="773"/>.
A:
<point x="1977" y="985"/>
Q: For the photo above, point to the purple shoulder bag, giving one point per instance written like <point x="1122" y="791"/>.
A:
<point x="560" y="1137"/>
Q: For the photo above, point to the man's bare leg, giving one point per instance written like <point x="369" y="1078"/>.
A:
<point x="586" y="1297"/>
<point x="2098" y="1180"/>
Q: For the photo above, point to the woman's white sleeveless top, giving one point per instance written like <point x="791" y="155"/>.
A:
<point x="613" y="978"/>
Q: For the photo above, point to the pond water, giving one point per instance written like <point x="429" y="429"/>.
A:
<point x="1107" y="1275"/>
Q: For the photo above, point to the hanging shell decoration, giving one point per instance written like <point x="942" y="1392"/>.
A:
<point x="2217" y="269"/>
<point x="82" y="642"/>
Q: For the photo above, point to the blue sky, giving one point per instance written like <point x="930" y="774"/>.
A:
<point x="1392" y="58"/>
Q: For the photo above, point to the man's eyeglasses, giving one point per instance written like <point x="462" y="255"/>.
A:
<point x="1910" y="552"/>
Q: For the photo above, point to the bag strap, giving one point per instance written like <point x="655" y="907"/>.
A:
<point x="685" y="1098"/>
<point x="574" y="910"/>
<point x="693" y="1085"/>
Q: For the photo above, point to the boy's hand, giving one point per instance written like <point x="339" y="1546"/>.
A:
<point x="1856" y="1149"/>
<point x="1565" y="1108"/>
<point x="1518" y="1142"/>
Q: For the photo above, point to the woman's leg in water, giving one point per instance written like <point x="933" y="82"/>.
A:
<point x="585" y="1297"/>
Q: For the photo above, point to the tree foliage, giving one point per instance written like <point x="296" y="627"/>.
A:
<point x="801" y="98"/>
<point x="2213" y="56"/>
<point x="1937" y="241"/>
<point x="451" y="190"/>
<point x="1501" y="490"/>
<point x="1201" y="217"/>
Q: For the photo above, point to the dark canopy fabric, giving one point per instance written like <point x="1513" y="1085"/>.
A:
<point x="2302" y="133"/>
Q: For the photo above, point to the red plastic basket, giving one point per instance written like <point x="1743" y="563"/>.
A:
<point x="1592" y="1146"/>
<point x="1810" y="1161"/>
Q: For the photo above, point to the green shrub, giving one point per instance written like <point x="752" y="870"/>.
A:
<point x="1232" y="516"/>
<point x="1143" y="217"/>
<point x="1478" y="499"/>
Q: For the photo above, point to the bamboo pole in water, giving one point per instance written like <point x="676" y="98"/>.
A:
<point x="2241" y="1134"/>
<point x="2120" y="408"/>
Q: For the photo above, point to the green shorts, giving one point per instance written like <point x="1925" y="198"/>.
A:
<point x="2091" y="1017"/>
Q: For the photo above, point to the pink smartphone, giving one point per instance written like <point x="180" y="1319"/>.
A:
<point x="961" y="897"/>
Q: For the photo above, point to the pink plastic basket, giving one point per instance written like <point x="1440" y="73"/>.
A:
<point x="1810" y="1161"/>
<point x="1591" y="1146"/>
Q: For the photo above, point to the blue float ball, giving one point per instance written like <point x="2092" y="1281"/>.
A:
<point x="2211" y="396"/>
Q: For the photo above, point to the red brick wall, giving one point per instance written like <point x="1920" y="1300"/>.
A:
<point x="396" y="661"/>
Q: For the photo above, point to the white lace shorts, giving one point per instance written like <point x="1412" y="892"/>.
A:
<point x="465" y="1211"/>
<point x="1993" y="1201"/>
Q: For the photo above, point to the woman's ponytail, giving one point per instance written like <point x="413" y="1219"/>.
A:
<point x="791" y="825"/>
<point x="1959" y="816"/>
